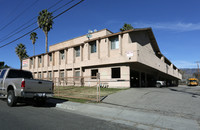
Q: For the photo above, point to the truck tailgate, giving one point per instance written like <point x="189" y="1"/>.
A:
<point x="37" y="86"/>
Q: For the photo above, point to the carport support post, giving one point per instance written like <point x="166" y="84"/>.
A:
<point x="146" y="80"/>
<point x="140" y="81"/>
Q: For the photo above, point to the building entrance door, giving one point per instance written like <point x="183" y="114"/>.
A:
<point x="134" y="78"/>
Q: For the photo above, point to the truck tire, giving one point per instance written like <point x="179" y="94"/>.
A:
<point x="11" y="99"/>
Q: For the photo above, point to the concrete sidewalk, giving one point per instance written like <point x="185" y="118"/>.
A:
<point x="135" y="118"/>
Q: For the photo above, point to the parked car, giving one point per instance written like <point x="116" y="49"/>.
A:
<point x="160" y="83"/>
<point x="19" y="84"/>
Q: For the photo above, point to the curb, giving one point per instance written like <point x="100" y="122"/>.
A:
<point x="138" y="119"/>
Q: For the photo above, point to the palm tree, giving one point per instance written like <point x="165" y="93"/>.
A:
<point x="33" y="37"/>
<point x="20" y="50"/>
<point x="126" y="27"/>
<point x="45" y="22"/>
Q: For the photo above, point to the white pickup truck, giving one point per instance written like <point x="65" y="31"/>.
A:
<point x="19" y="84"/>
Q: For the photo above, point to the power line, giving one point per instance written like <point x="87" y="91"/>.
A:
<point x="7" y="36"/>
<point x="14" y="32"/>
<point x="63" y="6"/>
<point x="15" y="18"/>
<point x="68" y="9"/>
<point x="11" y="12"/>
<point x="38" y="27"/>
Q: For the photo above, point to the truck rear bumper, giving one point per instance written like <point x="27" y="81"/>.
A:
<point x="32" y="95"/>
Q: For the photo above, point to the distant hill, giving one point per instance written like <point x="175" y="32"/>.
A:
<point x="188" y="73"/>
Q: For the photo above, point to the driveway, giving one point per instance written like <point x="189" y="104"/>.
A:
<point x="181" y="101"/>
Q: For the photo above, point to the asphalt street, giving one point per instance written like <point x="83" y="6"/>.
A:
<point x="135" y="108"/>
<point x="29" y="117"/>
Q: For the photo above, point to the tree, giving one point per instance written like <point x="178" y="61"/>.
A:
<point x="2" y="65"/>
<point x="45" y="22"/>
<point x="126" y="27"/>
<point x="21" y="52"/>
<point x="33" y="37"/>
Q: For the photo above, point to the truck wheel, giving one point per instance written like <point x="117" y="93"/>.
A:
<point x="11" y="99"/>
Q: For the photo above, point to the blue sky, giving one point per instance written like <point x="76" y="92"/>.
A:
<point x="175" y="23"/>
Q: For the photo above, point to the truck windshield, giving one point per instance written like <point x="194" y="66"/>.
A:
<point x="19" y="74"/>
<point x="2" y="73"/>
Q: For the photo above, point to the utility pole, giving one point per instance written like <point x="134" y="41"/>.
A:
<point x="198" y="68"/>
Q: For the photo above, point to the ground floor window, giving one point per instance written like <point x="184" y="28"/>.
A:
<point x="116" y="73"/>
<point x="50" y="75"/>
<point x="77" y="75"/>
<point x="62" y="74"/>
<point x="39" y="75"/>
<point x="94" y="73"/>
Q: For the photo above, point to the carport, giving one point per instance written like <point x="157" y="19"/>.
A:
<point x="144" y="76"/>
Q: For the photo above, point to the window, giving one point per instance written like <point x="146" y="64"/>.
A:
<point x="77" y="75"/>
<point x="2" y="73"/>
<point x="50" y="75"/>
<point x="31" y="61"/>
<point x="114" y="43"/>
<point x="93" y="47"/>
<point x="62" y="55"/>
<point x="50" y="57"/>
<point x="116" y="73"/>
<point x="62" y="75"/>
<point x="77" y="51"/>
<point x="40" y="59"/>
<point x="94" y="73"/>
<point x="39" y="75"/>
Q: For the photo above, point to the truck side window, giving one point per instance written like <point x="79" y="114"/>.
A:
<point x="2" y="73"/>
<point x="19" y="74"/>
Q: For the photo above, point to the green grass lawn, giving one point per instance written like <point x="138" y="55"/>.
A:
<point x="82" y="94"/>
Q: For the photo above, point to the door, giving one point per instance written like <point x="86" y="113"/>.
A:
<point x="134" y="78"/>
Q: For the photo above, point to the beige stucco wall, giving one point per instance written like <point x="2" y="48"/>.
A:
<point x="106" y="77"/>
<point x="133" y="47"/>
<point x="78" y="40"/>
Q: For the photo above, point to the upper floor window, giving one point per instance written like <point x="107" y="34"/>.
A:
<point x="50" y="57"/>
<point x="77" y="51"/>
<point x="40" y="59"/>
<point x="62" y="54"/>
<point x="114" y="42"/>
<point x="93" y="47"/>
<point x="31" y="61"/>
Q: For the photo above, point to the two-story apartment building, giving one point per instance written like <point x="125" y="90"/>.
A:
<point x="125" y="59"/>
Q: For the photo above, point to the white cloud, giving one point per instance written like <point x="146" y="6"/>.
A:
<point x="184" y="64"/>
<point x="173" y="26"/>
